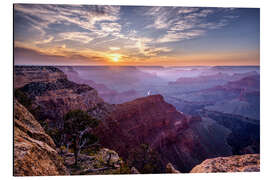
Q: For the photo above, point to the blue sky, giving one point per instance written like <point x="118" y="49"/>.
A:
<point x="135" y="35"/>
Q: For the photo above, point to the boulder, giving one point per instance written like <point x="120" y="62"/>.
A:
<point x="133" y="170"/>
<point x="238" y="163"/>
<point x="109" y="157"/>
<point x="171" y="169"/>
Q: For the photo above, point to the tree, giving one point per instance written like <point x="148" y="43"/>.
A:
<point x="78" y="127"/>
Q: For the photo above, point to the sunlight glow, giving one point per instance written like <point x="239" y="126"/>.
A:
<point x="115" y="57"/>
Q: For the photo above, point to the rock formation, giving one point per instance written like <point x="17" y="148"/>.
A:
<point x="53" y="95"/>
<point x="105" y="161"/>
<point x="133" y="170"/>
<point x="171" y="169"/>
<point x="34" y="153"/>
<point x="238" y="163"/>
<point x="27" y="74"/>
<point x="150" y="120"/>
<point x="109" y="157"/>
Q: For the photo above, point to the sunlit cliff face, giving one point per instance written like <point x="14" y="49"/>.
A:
<point x="126" y="35"/>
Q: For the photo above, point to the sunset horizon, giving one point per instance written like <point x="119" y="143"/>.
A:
<point x="135" y="35"/>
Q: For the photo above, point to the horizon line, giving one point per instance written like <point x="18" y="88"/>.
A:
<point x="138" y="65"/>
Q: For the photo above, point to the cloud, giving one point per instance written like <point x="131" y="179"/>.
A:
<point x="82" y="37"/>
<point x="46" y="40"/>
<point x="107" y="29"/>
<point x="156" y="51"/>
<point x="41" y="17"/>
<point x="181" y="23"/>
<point x="114" y="48"/>
<point x="161" y="17"/>
<point x="32" y="56"/>
<point x="110" y="27"/>
<point x="81" y="15"/>
<point x="57" y="53"/>
<point x="159" y="23"/>
<point x="173" y="36"/>
<point x="186" y="10"/>
<point x="146" y="47"/>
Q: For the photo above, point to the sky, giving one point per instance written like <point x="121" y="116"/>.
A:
<point x="135" y="35"/>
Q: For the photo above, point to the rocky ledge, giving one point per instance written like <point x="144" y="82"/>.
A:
<point x="105" y="161"/>
<point x="34" y="153"/>
<point x="238" y="163"/>
<point x="52" y="95"/>
<point x="26" y="74"/>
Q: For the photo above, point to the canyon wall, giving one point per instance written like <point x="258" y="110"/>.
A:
<point x="34" y="150"/>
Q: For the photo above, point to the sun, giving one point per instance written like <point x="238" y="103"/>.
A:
<point x="115" y="59"/>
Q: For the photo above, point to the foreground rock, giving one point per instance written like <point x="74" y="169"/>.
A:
<point x="109" y="157"/>
<point x="171" y="169"/>
<point x="133" y="170"/>
<point x="238" y="163"/>
<point x="105" y="161"/>
<point x="34" y="153"/>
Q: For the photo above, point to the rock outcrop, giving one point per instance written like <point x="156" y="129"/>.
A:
<point x="34" y="153"/>
<point x="26" y="74"/>
<point x="105" y="161"/>
<point x="133" y="170"/>
<point x="53" y="95"/>
<point x="171" y="169"/>
<point x="150" y="120"/>
<point x="238" y="163"/>
<point x="109" y="157"/>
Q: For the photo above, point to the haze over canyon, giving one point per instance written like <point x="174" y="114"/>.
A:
<point x="182" y="115"/>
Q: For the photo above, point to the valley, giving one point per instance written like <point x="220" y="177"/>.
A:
<point x="182" y="123"/>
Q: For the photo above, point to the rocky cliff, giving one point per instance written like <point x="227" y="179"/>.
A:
<point x="240" y="163"/>
<point x="27" y="74"/>
<point x="179" y="139"/>
<point x="34" y="150"/>
<point x="150" y="120"/>
<point x="53" y="95"/>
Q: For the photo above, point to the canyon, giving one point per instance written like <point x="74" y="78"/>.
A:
<point x="182" y="139"/>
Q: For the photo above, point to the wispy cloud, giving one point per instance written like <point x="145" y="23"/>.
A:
<point x="81" y="15"/>
<point x="173" y="36"/>
<point x="85" y="17"/>
<point x="185" y="23"/>
<point x="94" y="32"/>
<point x="82" y="37"/>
